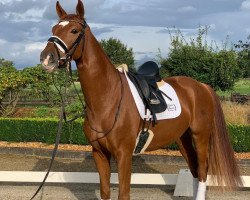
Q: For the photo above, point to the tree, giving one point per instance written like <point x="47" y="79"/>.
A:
<point x="197" y="59"/>
<point x="39" y="82"/>
<point x="243" y="49"/>
<point x="118" y="52"/>
<point x="12" y="81"/>
<point x="44" y="85"/>
<point x="5" y="63"/>
<point x="31" y="82"/>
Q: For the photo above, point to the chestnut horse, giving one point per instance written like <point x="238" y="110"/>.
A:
<point x="113" y="122"/>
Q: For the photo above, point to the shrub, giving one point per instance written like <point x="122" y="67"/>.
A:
<point x="40" y="130"/>
<point x="44" y="130"/>
<point x="240" y="137"/>
<point x="45" y="111"/>
<point x="203" y="62"/>
<point x="244" y="56"/>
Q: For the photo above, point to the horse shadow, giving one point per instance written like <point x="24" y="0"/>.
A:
<point x="87" y="164"/>
<point x="70" y="165"/>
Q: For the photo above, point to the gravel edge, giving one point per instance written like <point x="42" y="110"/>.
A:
<point x="85" y="155"/>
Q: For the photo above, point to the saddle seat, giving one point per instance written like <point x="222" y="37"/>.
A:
<point x="149" y="70"/>
<point x="145" y="81"/>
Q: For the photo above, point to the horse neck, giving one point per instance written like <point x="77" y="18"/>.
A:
<point x="99" y="79"/>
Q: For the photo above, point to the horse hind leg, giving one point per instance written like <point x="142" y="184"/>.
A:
<point x="185" y="144"/>
<point x="201" y="143"/>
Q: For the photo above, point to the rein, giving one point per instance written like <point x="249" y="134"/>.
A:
<point x="116" y="114"/>
<point x="63" y="117"/>
<point x="66" y="63"/>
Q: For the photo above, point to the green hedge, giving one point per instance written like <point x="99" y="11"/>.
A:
<point x="44" y="130"/>
<point x="40" y="130"/>
<point x="240" y="137"/>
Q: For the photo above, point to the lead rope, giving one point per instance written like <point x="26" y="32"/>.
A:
<point x="63" y="113"/>
<point x="58" y="137"/>
<point x="60" y="123"/>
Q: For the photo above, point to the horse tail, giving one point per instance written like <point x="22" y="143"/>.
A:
<point x="222" y="163"/>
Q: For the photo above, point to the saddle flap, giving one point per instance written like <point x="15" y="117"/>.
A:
<point x="149" y="93"/>
<point x="141" y="85"/>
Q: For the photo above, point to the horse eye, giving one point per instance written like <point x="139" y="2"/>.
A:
<point x="74" y="31"/>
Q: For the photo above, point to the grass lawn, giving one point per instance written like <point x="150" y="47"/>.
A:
<point x="242" y="86"/>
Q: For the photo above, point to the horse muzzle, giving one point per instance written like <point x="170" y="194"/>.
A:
<point x="48" y="62"/>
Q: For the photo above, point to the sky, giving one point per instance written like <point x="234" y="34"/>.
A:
<point x="140" y="24"/>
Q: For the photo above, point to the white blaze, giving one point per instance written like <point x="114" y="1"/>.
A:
<point x="64" y="23"/>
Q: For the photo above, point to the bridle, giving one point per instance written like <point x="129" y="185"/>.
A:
<point x="63" y="63"/>
<point x="66" y="63"/>
<point x="60" y="45"/>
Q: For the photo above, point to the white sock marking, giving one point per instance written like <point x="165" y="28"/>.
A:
<point x="201" y="193"/>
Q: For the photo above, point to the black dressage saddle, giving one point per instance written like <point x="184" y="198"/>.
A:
<point x="145" y="81"/>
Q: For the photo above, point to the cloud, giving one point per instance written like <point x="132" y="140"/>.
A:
<point x="23" y="54"/>
<point x="2" y="42"/>
<point x="141" y="39"/>
<point x="98" y="31"/>
<point x="165" y="30"/>
<point x="24" y="31"/>
<point x="227" y="23"/>
<point x="33" y="47"/>
<point x="22" y="6"/>
<point x="92" y="8"/>
<point x="245" y="5"/>
<point x="33" y="14"/>
<point x="142" y="25"/>
<point x="186" y="9"/>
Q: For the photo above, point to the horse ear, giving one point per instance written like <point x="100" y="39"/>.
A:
<point x="80" y="9"/>
<point x="60" y="11"/>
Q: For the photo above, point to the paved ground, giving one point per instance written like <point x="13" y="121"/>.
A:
<point x="17" y="191"/>
<point x="91" y="192"/>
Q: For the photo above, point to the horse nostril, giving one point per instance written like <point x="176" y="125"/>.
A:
<point x="41" y="59"/>
<point x="51" y="56"/>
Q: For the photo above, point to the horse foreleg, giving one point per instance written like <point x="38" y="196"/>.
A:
<point x="102" y="161"/>
<point x="124" y="174"/>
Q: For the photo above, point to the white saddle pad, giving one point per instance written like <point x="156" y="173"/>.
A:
<point x="173" y="107"/>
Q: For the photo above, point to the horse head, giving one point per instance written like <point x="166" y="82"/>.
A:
<point x="67" y="41"/>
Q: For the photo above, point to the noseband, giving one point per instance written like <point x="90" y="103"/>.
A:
<point x="60" y="45"/>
